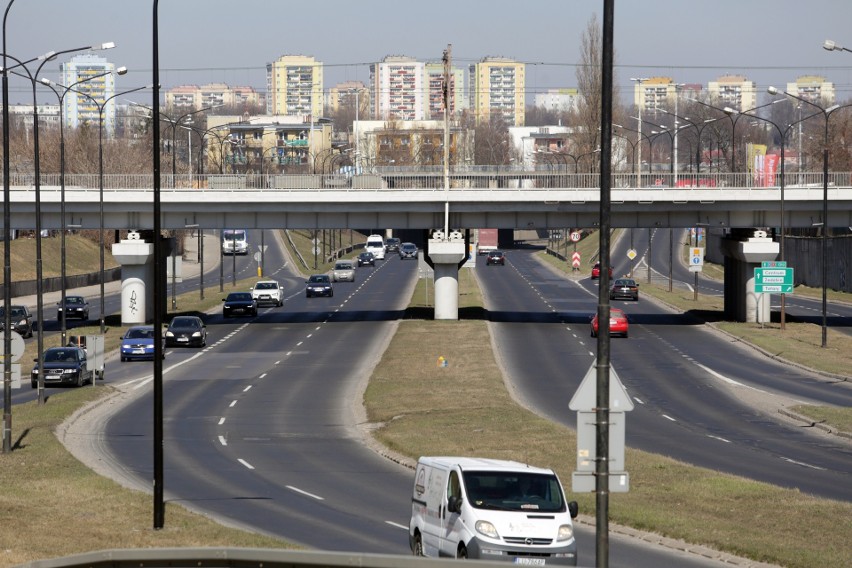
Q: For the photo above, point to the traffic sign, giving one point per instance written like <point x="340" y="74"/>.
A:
<point x="17" y="344"/>
<point x="696" y="256"/>
<point x="575" y="236"/>
<point x="631" y="254"/>
<point x="773" y="264"/>
<point x="773" y="280"/>
<point x="575" y="260"/>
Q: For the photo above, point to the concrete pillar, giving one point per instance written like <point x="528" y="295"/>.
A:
<point x="137" y="277"/>
<point x="741" y="258"/>
<point x="446" y="255"/>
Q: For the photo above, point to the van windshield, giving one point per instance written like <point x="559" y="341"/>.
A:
<point x="510" y="491"/>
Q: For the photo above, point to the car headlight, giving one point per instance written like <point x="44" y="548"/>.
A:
<point x="486" y="528"/>
<point x="169" y="334"/>
<point x="566" y="532"/>
<point x="196" y="334"/>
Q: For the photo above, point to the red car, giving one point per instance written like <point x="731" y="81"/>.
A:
<point x="596" y="271"/>
<point x="618" y="324"/>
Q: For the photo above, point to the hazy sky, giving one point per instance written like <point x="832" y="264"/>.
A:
<point x="770" y="41"/>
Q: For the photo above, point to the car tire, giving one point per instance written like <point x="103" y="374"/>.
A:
<point x="331" y="294"/>
<point x="34" y="384"/>
<point x="417" y="549"/>
<point x="123" y="359"/>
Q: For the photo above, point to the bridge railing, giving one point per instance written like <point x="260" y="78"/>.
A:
<point x="495" y="180"/>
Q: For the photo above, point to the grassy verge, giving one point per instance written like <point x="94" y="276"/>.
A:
<point x="467" y="411"/>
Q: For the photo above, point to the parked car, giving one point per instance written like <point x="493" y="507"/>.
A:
<point x="268" y="292"/>
<point x="22" y="320"/>
<point x="408" y="250"/>
<point x="596" y="271"/>
<point x="138" y="343"/>
<point x="392" y="244"/>
<point x="76" y="307"/>
<point x="187" y="331"/>
<point x="366" y="259"/>
<point x="624" y="289"/>
<point x="63" y="366"/>
<point x="319" y="285"/>
<point x="344" y="271"/>
<point x="239" y="304"/>
<point x="618" y="323"/>
<point x="495" y="257"/>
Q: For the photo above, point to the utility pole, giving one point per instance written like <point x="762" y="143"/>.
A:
<point x="447" y="59"/>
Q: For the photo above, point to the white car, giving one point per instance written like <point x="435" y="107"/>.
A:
<point x="268" y="292"/>
<point x="344" y="271"/>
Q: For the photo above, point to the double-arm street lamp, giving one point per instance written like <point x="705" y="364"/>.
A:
<point x="826" y="112"/>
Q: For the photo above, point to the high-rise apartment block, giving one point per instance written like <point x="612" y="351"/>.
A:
<point x="498" y="89"/>
<point x="294" y="86"/>
<point x="398" y="88"/>
<point x="559" y="100"/>
<point x="193" y="97"/>
<point x="813" y="88"/>
<point x="83" y="105"/>
<point x="354" y="94"/>
<point x="653" y="93"/>
<point x="733" y="91"/>
<point x="435" y="83"/>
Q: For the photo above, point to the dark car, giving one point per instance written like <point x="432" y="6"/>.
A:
<point x="624" y="289"/>
<point x="596" y="271"/>
<point x="392" y="244"/>
<point x="76" y="307"/>
<point x="239" y="304"/>
<point x="138" y="343"/>
<point x="366" y="259"/>
<point x="22" y="320"/>
<point x="318" y="285"/>
<point x="408" y="250"/>
<point x="63" y="366"/>
<point x="495" y="257"/>
<point x="187" y="331"/>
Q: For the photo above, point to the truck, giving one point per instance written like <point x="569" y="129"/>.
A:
<point x="486" y="241"/>
<point x="234" y="241"/>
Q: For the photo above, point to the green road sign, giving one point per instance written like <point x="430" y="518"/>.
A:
<point x="773" y="280"/>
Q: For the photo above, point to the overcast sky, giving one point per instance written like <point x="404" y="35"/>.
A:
<point x="769" y="41"/>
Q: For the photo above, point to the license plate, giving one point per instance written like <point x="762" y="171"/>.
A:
<point x="183" y="339"/>
<point x="138" y="351"/>
<point x="524" y="561"/>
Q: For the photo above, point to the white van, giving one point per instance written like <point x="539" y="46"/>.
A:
<point x="234" y="241"/>
<point x="376" y="245"/>
<point x="492" y="510"/>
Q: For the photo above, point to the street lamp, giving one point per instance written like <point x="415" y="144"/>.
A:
<point x="640" y="104"/>
<point x="826" y="112"/>
<point x="830" y="45"/>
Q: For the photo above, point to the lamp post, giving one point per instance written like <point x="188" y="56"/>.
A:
<point x="640" y="102"/>
<point x="830" y="45"/>
<point x="826" y="112"/>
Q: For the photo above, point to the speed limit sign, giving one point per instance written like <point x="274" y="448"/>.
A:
<point x="575" y="236"/>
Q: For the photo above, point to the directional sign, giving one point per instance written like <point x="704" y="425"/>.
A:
<point x="773" y="264"/>
<point x="575" y="260"/>
<point x="696" y="256"/>
<point x="773" y="280"/>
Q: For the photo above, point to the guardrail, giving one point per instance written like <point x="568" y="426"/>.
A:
<point x="495" y="180"/>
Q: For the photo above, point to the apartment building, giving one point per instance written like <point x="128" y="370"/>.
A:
<point x="350" y="94"/>
<point x="498" y="89"/>
<point x="813" y="88"/>
<point x="406" y="143"/>
<point x="294" y="86"/>
<point x="435" y="85"/>
<point x="559" y="100"/>
<point x="733" y="91"/>
<point x="93" y="78"/>
<point x="398" y="88"/>
<point x="188" y="98"/>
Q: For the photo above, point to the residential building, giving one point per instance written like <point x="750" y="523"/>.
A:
<point x="398" y="88"/>
<point x="813" y="88"/>
<point x="653" y="93"/>
<point x="294" y="86"/>
<point x="435" y="86"/>
<point x="188" y="98"/>
<point x="498" y="90"/>
<point x="405" y="143"/>
<point x="90" y="98"/>
<point x="733" y="91"/>
<point x="347" y="94"/>
<point x="22" y="115"/>
<point x="558" y="100"/>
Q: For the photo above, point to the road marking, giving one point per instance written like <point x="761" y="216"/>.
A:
<point x="803" y="464"/>
<point x="147" y="379"/>
<point x="297" y="490"/>
<point x="262" y="376"/>
<point x="639" y="400"/>
<point x="223" y="441"/>
<point x="719" y="438"/>
<point x="247" y="388"/>
<point x="221" y="421"/>
<point x="667" y="417"/>
<point x="397" y="525"/>
<point x="233" y="404"/>
<point x="245" y="463"/>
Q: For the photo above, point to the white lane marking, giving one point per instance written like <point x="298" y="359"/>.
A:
<point x="245" y="463"/>
<point x="317" y="327"/>
<point x="233" y="404"/>
<point x="223" y="441"/>
<point x="309" y="336"/>
<point x="263" y="375"/>
<point x="721" y="377"/>
<point x="719" y="438"/>
<point x="803" y="464"/>
<point x="297" y="490"/>
<point x="221" y="421"/>
<point x="639" y="400"/>
<point x="248" y="388"/>
<point x="299" y="344"/>
<point x="397" y="525"/>
<point x="147" y="379"/>
<point x="667" y="417"/>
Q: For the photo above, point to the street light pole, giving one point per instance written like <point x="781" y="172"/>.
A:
<point x="641" y="103"/>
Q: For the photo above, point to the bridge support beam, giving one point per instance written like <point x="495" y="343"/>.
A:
<point x="137" y="270"/>
<point x="446" y="256"/>
<point x="743" y="254"/>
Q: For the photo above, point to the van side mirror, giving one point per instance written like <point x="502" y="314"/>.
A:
<point x="573" y="509"/>
<point x="454" y="504"/>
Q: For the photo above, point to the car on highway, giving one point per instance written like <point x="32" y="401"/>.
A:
<point x="495" y="257"/>
<point x="618" y="323"/>
<point x="76" y="307"/>
<point x="239" y="304"/>
<point x="376" y="245"/>
<point x="22" y="320"/>
<point x="63" y="366"/>
<point x="392" y="244"/>
<point x="366" y="259"/>
<point x="318" y="285"/>
<point x="596" y="271"/>
<point x="408" y="250"/>
<point x="344" y="271"/>
<point x="138" y="343"/>
<point x="624" y="289"/>
<point x="268" y="292"/>
<point x="186" y="331"/>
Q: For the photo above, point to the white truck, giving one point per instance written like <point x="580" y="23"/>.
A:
<point x="234" y="241"/>
<point x="491" y="509"/>
<point x="486" y="241"/>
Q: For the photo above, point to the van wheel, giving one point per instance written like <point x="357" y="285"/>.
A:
<point x="462" y="552"/>
<point x="418" y="545"/>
